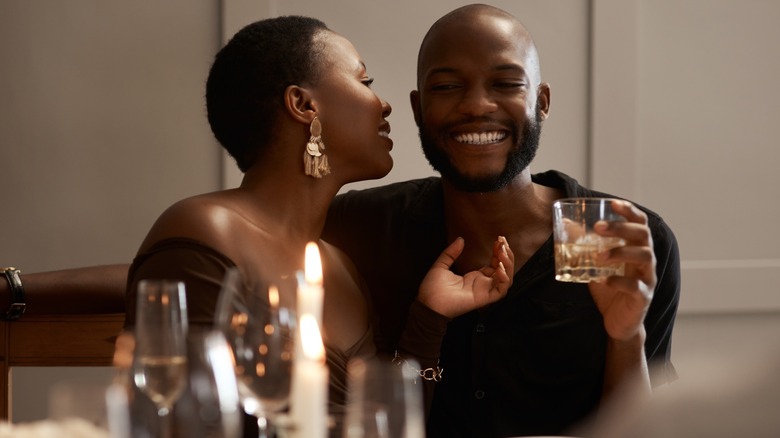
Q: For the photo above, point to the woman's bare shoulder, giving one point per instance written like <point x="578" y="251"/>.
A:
<point x="340" y="259"/>
<point x="205" y="218"/>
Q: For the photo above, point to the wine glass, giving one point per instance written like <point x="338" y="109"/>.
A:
<point x="261" y="335"/>
<point x="383" y="400"/>
<point x="160" y="357"/>
<point x="209" y="406"/>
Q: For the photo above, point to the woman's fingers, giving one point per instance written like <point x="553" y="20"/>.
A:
<point x="450" y="253"/>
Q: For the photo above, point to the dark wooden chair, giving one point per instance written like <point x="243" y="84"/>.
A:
<point x="62" y="327"/>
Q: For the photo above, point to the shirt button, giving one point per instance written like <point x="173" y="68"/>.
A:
<point x="480" y="328"/>
<point x="479" y="394"/>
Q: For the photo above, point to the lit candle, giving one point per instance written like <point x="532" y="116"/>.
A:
<point x="273" y="296"/>
<point x="310" y="293"/>
<point x="309" y="399"/>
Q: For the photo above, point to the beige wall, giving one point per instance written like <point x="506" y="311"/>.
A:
<point x="685" y="108"/>
<point x="101" y="124"/>
<point x="670" y="103"/>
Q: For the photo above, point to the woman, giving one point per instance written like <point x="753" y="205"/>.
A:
<point x="291" y="102"/>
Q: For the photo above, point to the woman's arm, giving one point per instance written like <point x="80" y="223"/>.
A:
<point x="444" y="295"/>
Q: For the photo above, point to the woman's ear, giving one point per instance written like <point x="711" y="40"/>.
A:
<point x="300" y="103"/>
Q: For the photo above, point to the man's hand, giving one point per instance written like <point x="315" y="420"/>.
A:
<point x="623" y="300"/>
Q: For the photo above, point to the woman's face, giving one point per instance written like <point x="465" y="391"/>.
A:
<point x="354" y="128"/>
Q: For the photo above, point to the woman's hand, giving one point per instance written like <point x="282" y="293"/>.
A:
<point x="452" y="295"/>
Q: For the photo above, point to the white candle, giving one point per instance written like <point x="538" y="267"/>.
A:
<point x="309" y="399"/>
<point x="273" y="296"/>
<point x="310" y="292"/>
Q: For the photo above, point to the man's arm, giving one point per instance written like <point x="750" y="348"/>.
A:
<point x="622" y="359"/>
<point x="626" y="367"/>
<point x="99" y="288"/>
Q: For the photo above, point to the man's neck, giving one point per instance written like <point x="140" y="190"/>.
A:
<point x="520" y="211"/>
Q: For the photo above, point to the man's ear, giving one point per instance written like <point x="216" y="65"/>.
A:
<point x="300" y="103"/>
<point x="543" y="100"/>
<point x="414" y="98"/>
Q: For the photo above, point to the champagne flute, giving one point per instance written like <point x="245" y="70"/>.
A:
<point x="261" y="336"/>
<point x="383" y="401"/>
<point x="160" y="358"/>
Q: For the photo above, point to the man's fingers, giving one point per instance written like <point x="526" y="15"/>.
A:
<point x="629" y="211"/>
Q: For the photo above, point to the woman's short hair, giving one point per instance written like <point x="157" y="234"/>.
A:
<point x="246" y="83"/>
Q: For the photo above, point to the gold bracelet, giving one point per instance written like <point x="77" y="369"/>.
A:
<point x="434" y="374"/>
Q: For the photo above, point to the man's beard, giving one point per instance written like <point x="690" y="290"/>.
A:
<point x="517" y="161"/>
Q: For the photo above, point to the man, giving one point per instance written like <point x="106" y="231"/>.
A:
<point x="546" y="356"/>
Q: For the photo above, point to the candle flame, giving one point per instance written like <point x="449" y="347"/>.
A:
<point x="311" y="338"/>
<point x="273" y="296"/>
<point x="313" y="264"/>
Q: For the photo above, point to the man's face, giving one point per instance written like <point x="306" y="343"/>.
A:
<point x="477" y="108"/>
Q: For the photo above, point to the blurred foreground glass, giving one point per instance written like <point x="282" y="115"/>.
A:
<point x="78" y="399"/>
<point x="209" y="407"/>
<point x="261" y="336"/>
<point x="117" y="397"/>
<point x="383" y="401"/>
<point x="577" y="245"/>
<point x="160" y="358"/>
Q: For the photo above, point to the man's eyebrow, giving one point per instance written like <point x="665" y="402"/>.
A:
<point x="438" y="70"/>
<point x="500" y="67"/>
<point x="509" y="67"/>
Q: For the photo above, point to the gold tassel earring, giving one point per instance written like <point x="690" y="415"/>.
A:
<point x="315" y="162"/>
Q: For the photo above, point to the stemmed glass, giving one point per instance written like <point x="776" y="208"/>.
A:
<point x="383" y="400"/>
<point x="209" y="406"/>
<point x="261" y="335"/>
<point x="160" y="358"/>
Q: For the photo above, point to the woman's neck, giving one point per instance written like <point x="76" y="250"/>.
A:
<point x="293" y="207"/>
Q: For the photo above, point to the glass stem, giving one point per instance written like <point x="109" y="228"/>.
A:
<point x="166" y="422"/>
<point x="264" y="427"/>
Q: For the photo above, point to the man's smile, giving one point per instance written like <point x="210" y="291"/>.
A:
<point x="487" y="137"/>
